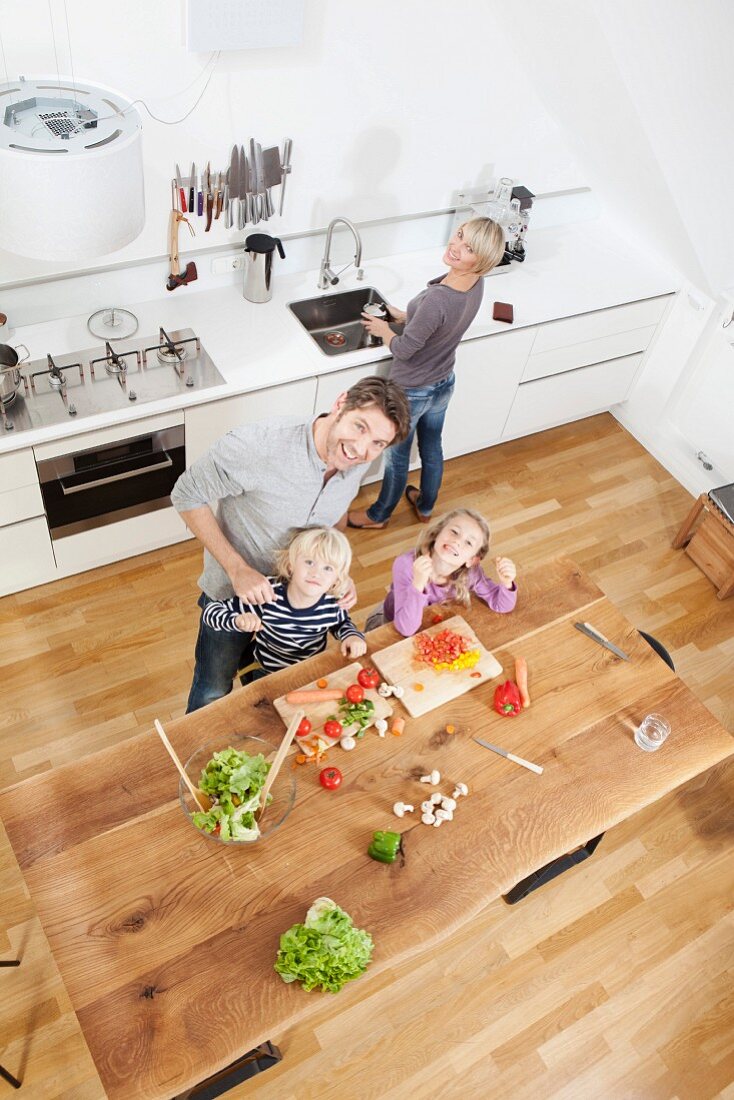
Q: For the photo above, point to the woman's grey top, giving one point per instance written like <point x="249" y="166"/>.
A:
<point x="437" y="319"/>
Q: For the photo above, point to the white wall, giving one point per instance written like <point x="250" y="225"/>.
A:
<point x="393" y="108"/>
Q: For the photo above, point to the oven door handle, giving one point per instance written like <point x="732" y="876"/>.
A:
<point x="67" y="490"/>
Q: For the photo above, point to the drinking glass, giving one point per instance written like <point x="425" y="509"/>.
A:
<point x="651" y="732"/>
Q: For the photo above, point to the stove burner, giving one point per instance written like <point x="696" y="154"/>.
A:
<point x="175" y="353"/>
<point x="336" y="339"/>
<point x="56" y="380"/>
<point x="6" y="402"/>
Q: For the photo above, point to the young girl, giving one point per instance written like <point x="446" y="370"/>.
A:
<point x="313" y="572"/>
<point x="444" y="567"/>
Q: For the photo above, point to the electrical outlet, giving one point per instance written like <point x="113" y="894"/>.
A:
<point x="223" y="264"/>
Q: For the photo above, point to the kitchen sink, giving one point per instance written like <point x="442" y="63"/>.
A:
<point x="334" y="320"/>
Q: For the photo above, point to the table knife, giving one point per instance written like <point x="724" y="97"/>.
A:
<point x="192" y="187"/>
<point x="181" y="191"/>
<point x="510" y="756"/>
<point x="596" y="636"/>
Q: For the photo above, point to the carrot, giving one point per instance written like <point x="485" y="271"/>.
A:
<point x="322" y="683"/>
<point x="398" y="726"/>
<point x="450" y="728"/>
<point x="313" y="696"/>
<point x="521" y="679"/>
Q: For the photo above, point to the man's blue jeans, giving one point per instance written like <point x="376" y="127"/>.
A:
<point x="428" y="406"/>
<point x="219" y="654"/>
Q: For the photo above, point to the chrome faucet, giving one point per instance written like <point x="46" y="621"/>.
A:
<point x="329" y="278"/>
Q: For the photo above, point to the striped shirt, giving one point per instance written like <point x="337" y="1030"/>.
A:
<point x="288" y="634"/>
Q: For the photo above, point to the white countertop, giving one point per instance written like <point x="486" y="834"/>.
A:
<point x="570" y="269"/>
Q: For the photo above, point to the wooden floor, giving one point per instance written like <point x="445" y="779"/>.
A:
<point x="616" y="981"/>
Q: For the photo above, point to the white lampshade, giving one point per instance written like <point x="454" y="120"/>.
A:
<point x="71" y="169"/>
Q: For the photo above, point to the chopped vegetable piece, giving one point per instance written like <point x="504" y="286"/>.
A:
<point x="450" y="728"/>
<point x="476" y="675"/>
<point x="436" y="618"/>
<point x="398" y="726"/>
<point x="311" y="696"/>
<point x="417" y="687"/>
<point x="322" y="683"/>
<point x="354" y="693"/>
<point x="368" y="678"/>
<point x="521" y="679"/>
<point x="301" y="758"/>
<point x="325" y="951"/>
<point x="507" y="700"/>
<point x="384" y="847"/>
<point x="445" y="650"/>
<point x="330" y="778"/>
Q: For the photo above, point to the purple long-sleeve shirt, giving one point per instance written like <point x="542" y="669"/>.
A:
<point x="404" y="604"/>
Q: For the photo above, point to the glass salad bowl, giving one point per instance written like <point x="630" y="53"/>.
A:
<point x="239" y="781"/>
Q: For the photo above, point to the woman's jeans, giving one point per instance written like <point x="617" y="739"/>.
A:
<point x="219" y="654"/>
<point x="428" y="406"/>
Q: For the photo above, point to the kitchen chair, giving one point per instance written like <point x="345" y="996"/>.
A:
<point x="564" y="863"/>
<point x="4" y="1073"/>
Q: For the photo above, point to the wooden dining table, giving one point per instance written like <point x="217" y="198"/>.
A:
<point x="166" y="940"/>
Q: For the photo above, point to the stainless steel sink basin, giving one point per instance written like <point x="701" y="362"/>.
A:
<point x="334" y="320"/>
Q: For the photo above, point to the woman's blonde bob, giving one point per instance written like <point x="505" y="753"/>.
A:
<point x="325" y="543"/>
<point x="487" y="241"/>
<point x="460" y="577"/>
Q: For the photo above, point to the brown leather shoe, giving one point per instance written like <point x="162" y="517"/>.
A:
<point x="411" y="495"/>
<point x="361" y="519"/>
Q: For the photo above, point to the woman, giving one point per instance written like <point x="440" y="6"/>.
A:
<point x="423" y="362"/>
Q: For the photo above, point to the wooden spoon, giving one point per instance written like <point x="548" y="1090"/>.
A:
<point x="202" y="800"/>
<point x="277" y="762"/>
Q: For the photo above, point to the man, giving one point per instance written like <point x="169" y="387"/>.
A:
<point x="268" y="478"/>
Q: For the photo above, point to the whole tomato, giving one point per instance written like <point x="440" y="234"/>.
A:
<point x="333" y="729"/>
<point x="304" y="728"/>
<point x="330" y="778"/>
<point x="355" y="693"/>
<point x="368" y="678"/>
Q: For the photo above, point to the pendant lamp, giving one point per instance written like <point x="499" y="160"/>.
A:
<point x="71" y="169"/>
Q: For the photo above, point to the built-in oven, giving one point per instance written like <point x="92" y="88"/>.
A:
<point x="115" y="481"/>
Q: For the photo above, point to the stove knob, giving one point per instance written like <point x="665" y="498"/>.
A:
<point x="189" y="381"/>
<point x="72" y="410"/>
<point x="132" y="396"/>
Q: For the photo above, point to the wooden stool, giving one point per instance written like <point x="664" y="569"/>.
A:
<point x="711" y="546"/>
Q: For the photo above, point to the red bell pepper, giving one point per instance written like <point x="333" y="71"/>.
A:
<point x="507" y="701"/>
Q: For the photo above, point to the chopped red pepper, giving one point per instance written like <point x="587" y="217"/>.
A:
<point x="507" y="701"/>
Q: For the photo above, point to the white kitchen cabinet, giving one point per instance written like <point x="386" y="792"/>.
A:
<point x="545" y="402"/>
<point x="600" y="323"/>
<point x="207" y="423"/>
<point x="122" y="539"/>
<point x="27" y="555"/>
<point x="20" y="493"/>
<point x="488" y="371"/>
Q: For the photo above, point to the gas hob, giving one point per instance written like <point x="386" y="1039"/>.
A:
<point x="63" y="388"/>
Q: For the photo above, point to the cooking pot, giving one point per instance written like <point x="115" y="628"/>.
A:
<point x="9" y="374"/>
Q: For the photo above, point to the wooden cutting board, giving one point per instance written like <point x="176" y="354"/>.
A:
<point x="319" y="712"/>
<point x="397" y="665"/>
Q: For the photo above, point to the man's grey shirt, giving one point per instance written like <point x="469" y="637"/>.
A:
<point x="265" y="479"/>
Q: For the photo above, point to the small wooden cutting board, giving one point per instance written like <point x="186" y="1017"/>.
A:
<point x="397" y="665"/>
<point x="317" y="713"/>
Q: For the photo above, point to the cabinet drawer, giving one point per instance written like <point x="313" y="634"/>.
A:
<point x="570" y="396"/>
<point x="27" y="556"/>
<point x="18" y="468"/>
<point x="19" y="504"/>
<point x="599" y="323"/>
<point x="584" y="354"/>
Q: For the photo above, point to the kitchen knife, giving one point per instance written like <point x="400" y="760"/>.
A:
<point x="200" y="198"/>
<point x="243" y="213"/>
<point x="192" y="187"/>
<point x="233" y="180"/>
<point x="256" y="211"/>
<point x="181" y="192"/>
<point x="596" y="636"/>
<point x="264" y="211"/>
<point x="272" y="174"/>
<point x="285" y="169"/>
<point x="510" y="756"/>
<point x="218" y="195"/>
<point x="209" y="196"/>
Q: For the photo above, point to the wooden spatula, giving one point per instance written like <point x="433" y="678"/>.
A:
<point x="277" y="762"/>
<point x="202" y="800"/>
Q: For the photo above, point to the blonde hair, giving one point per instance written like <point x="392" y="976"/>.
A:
<point x="326" y="543"/>
<point x="487" y="241"/>
<point x="460" y="577"/>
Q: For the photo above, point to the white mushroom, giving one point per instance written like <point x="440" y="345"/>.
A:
<point x="398" y="691"/>
<point x="448" y="804"/>
<point x="427" y="807"/>
<point x="444" y="815"/>
<point x="436" y="798"/>
<point x="348" y="743"/>
<point x="401" y="808"/>
<point x="428" y="819"/>
<point x="385" y="690"/>
<point x="437" y="822"/>
<point x="434" y="778"/>
<point x="461" y="788"/>
<point x="381" y="726"/>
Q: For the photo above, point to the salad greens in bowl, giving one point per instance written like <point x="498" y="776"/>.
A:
<point x="232" y="771"/>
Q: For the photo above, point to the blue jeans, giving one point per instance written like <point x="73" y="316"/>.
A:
<point x="428" y="406"/>
<point x="219" y="654"/>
